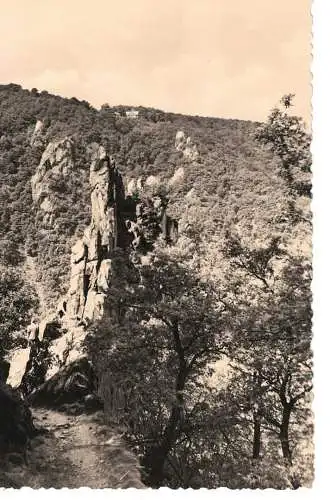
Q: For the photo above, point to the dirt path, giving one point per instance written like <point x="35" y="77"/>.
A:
<point x="77" y="451"/>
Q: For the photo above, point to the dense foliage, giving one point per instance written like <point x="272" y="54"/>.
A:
<point x="18" y="302"/>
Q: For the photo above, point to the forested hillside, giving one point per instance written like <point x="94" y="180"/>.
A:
<point x="232" y="178"/>
<point x="207" y="366"/>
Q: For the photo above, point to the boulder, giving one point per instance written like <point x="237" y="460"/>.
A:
<point x="18" y="365"/>
<point x="70" y="384"/>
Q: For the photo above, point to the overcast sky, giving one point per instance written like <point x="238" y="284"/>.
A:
<point x="227" y="58"/>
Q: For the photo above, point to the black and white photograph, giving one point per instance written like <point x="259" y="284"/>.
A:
<point x="156" y="244"/>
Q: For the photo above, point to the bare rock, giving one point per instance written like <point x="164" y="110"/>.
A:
<point x="91" y="256"/>
<point x="56" y="163"/>
<point x="36" y="138"/>
<point x="186" y="146"/>
<point x="70" y="384"/>
<point x="177" y="177"/>
<point x="50" y="328"/>
<point x="180" y="140"/>
<point x="18" y="366"/>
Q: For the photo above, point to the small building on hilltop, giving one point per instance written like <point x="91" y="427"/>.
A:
<point x="132" y="113"/>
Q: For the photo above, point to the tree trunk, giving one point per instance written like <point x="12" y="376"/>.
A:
<point x="256" y="396"/>
<point x="256" y="436"/>
<point x="284" y="433"/>
<point x="155" y="458"/>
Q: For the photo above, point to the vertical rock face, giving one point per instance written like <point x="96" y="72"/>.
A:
<point x="91" y="264"/>
<point x="116" y="222"/>
<point x="107" y="197"/>
<point x="56" y="164"/>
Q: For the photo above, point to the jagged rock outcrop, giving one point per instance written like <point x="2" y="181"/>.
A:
<point x="134" y="186"/>
<point x="177" y="178"/>
<point x="37" y="134"/>
<point x="91" y="256"/>
<point x="56" y="164"/>
<point x="185" y="144"/>
<point x="58" y="339"/>
<point x="122" y="229"/>
<point x="117" y="222"/>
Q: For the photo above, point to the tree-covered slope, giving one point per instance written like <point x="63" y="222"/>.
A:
<point x="234" y="179"/>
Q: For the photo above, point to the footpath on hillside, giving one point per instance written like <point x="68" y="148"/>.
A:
<point x="73" y="452"/>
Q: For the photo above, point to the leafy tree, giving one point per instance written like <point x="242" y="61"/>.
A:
<point x="18" y="301"/>
<point x="288" y="138"/>
<point x="10" y="254"/>
<point x="273" y="355"/>
<point x="173" y="330"/>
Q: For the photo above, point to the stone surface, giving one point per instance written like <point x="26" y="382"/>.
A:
<point x="152" y="181"/>
<point x="91" y="256"/>
<point x="36" y="138"/>
<point x="71" y="383"/>
<point x="177" y="177"/>
<point x="50" y="328"/>
<point x="134" y="186"/>
<point x="18" y="363"/>
<point x="56" y="164"/>
<point x="185" y="144"/>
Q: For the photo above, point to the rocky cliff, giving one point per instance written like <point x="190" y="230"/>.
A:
<point x="91" y="256"/>
<point x="57" y="163"/>
<point x="122" y="228"/>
